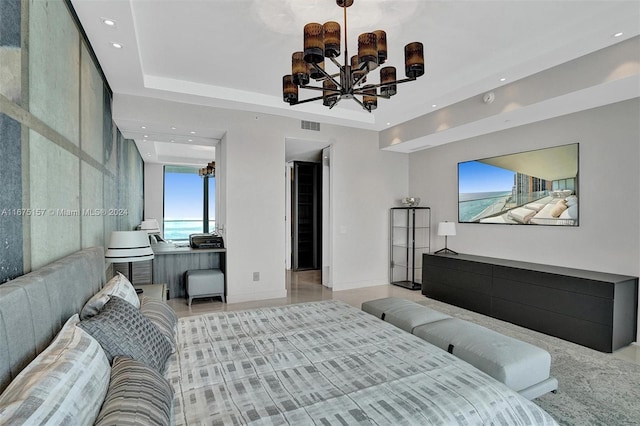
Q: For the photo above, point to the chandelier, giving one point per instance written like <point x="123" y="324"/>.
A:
<point x="209" y="170"/>
<point x="323" y="41"/>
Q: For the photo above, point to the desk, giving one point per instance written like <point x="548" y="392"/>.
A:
<point x="171" y="262"/>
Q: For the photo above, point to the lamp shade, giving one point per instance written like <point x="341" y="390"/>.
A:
<point x="129" y="246"/>
<point x="446" y="229"/>
<point x="151" y="226"/>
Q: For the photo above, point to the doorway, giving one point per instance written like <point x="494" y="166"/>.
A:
<point x="308" y="242"/>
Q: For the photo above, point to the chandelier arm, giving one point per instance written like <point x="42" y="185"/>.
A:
<point x="317" y="98"/>
<point x="362" y="92"/>
<point x="327" y="75"/>
<point x="336" y="63"/>
<point x="336" y="91"/>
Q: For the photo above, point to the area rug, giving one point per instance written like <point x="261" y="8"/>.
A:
<point x="595" y="388"/>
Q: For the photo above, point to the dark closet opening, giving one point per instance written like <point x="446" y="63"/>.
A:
<point x="306" y="223"/>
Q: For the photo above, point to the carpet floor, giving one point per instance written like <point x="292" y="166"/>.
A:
<point x="594" y="388"/>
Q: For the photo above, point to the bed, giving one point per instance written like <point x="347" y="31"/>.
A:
<point x="313" y="363"/>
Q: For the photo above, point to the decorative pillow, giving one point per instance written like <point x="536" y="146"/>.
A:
<point x="119" y="286"/>
<point x="558" y="209"/>
<point x="137" y="395"/>
<point x="65" y="384"/>
<point x="162" y="316"/>
<point x="570" y="213"/>
<point x="571" y="200"/>
<point x="122" y="330"/>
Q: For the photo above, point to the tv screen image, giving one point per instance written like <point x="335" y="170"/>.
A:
<point x="538" y="187"/>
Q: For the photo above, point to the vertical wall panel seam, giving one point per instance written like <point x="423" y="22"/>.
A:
<point x="24" y="135"/>
<point x="80" y="88"/>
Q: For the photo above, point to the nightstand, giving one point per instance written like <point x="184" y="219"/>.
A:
<point x="155" y="291"/>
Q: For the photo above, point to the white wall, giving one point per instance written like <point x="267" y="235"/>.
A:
<point x="608" y="238"/>
<point x="366" y="182"/>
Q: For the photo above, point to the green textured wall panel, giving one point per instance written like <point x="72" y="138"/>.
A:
<point x="55" y="188"/>
<point x="91" y="111"/>
<point x="54" y="80"/>
<point x="93" y="208"/>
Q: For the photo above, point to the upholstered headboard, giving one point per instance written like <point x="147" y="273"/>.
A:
<point x="35" y="306"/>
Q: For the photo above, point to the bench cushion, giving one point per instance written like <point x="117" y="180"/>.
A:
<point x="517" y="364"/>
<point x="379" y="307"/>
<point x="402" y="313"/>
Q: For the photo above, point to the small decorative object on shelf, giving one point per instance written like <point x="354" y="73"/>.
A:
<point x="410" y="237"/>
<point x="411" y="201"/>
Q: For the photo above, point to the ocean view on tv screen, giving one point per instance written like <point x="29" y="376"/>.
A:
<point x="537" y="187"/>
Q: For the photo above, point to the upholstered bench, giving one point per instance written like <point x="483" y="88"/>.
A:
<point x="523" y="367"/>
<point x="204" y="283"/>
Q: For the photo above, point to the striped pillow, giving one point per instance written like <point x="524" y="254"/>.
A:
<point x="65" y="384"/>
<point x="137" y="395"/>
<point x="162" y="316"/>
<point x="119" y="286"/>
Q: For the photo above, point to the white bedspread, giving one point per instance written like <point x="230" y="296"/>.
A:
<point x="328" y="363"/>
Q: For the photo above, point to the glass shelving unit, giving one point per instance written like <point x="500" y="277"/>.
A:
<point x="410" y="238"/>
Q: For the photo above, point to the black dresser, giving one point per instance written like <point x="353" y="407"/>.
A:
<point x="594" y="309"/>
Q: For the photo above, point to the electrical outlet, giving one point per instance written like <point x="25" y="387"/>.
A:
<point x="256" y="276"/>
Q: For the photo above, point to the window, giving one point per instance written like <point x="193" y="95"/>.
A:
<point x="189" y="203"/>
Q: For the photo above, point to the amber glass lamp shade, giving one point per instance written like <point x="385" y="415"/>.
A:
<point x="369" y="100"/>
<point x="343" y="3"/>
<point x="289" y="90"/>
<point x="313" y="71"/>
<point x="313" y="43"/>
<point x="381" y="37"/>
<point x="414" y="59"/>
<point x="329" y="94"/>
<point x="388" y="75"/>
<point x="331" y="39"/>
<point x="299" y="69"/>
<point x="368" y="50"/>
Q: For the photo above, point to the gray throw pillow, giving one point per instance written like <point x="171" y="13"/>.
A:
<point x="137" y="395"/>
<point x="122" y="330"/>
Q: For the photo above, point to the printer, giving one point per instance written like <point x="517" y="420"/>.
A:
<point x="205" y="241"/>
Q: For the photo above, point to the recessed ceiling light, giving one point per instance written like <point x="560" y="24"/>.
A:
<point x="503" y="79"/>
<point x="143" y="127"/>
<point x="190" y="140"/>
<point x="173" y="127"/>
<point x="388" y="124"/>
<point x="109" y="22"/>
<point x="146" y="136"/>
<point x="116" y="45"/>
<point x="192" y="132"/>
<point x="172" y="140"/>
<point x="434" y="105"/>
<point x="617" y="34"/>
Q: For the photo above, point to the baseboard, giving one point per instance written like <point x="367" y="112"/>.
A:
<point x="253" y="296"/>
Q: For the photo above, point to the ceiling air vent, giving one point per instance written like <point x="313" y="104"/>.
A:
<point x="310" y="125"/>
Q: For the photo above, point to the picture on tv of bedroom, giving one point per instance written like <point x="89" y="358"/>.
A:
<point x="537" y="187"/>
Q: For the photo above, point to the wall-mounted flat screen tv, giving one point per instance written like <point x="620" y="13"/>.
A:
<point x="537" y="187"/>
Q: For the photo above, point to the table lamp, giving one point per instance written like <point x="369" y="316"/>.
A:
<point x="129" y="247"/>
<point x="445" y="229"/>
